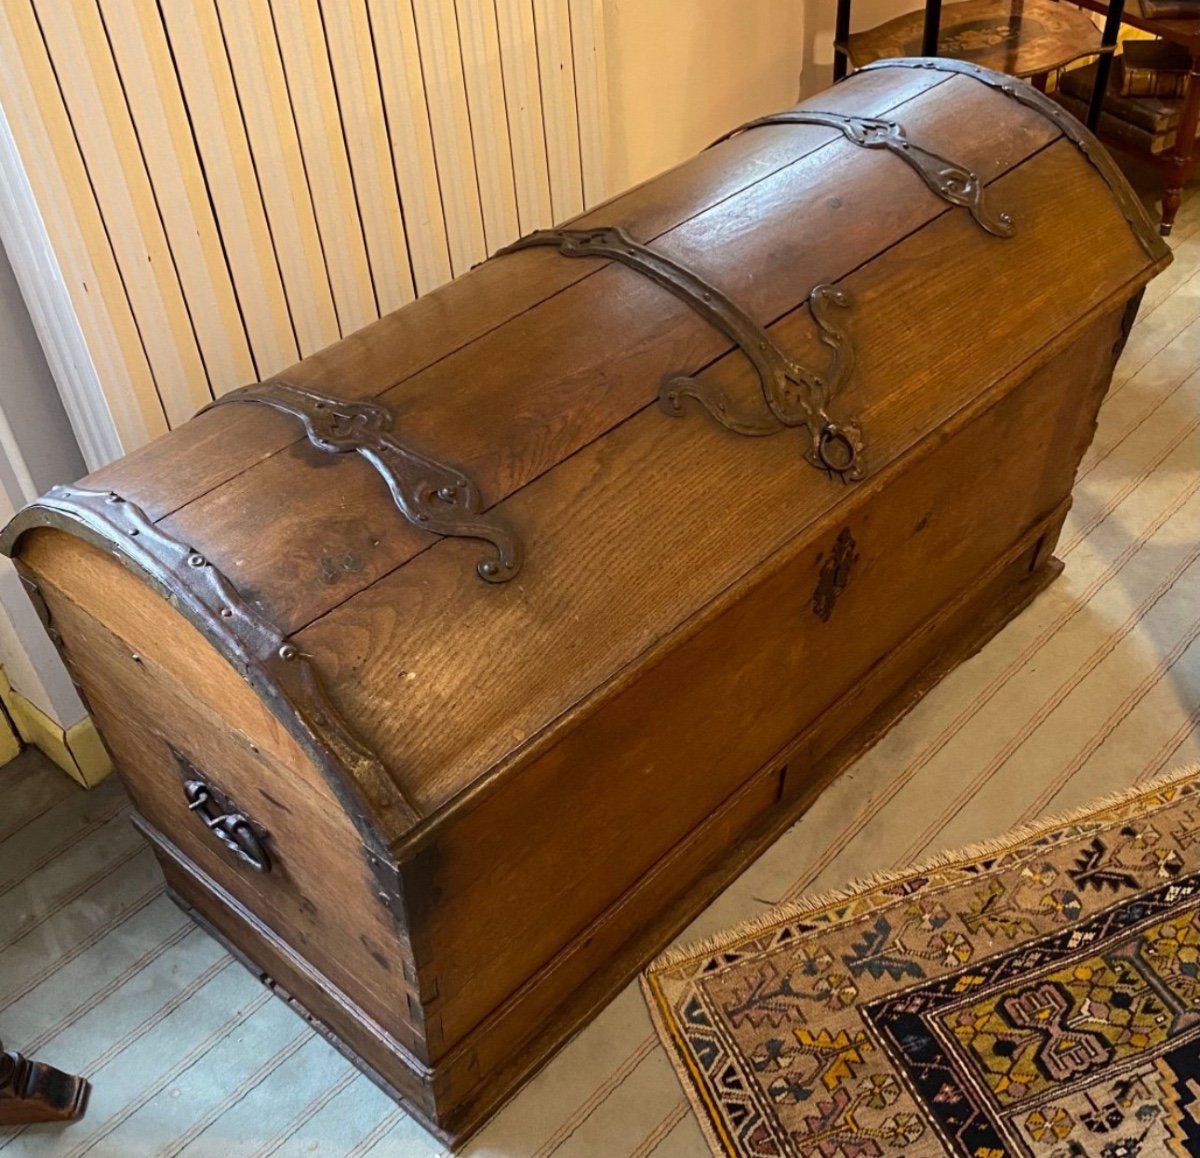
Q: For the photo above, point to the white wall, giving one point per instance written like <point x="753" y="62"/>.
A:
<point x="681" y="74"/>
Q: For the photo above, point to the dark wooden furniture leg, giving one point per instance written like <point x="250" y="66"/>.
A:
<point x="932" y="29"/>
<point x="1182" y="160"/>
<point x="1108" y="39"/>
<point x="841" y="33"/>
<point x="35" y="1092"/>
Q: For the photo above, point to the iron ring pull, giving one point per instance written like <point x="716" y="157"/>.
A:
<point x="234" y="830"/>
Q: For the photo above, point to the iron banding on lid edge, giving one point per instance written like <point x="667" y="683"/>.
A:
<point x="432" y="496"/>
<point x="273" y="666"/>
<point x="791" y="394"/>
<point x="949" y="180"/>
<point x="1075" y="131"/>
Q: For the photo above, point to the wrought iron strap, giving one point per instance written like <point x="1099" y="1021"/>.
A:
<point x="247" y="639"/>
<point x="1075" y="132"/>
<point x="791" y="394"/>
<point x="950" y="181"/>
<point x="429" y="494"/>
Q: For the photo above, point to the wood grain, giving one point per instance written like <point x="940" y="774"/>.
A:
<point x="482" y="410"/>
<point x="319" y="890"/>
<point x="719" y="505"/>
<point x="761" y="670"/>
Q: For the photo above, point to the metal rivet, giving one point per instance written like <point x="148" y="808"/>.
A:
<point x="447" y="494"/>
<point x="488" y="568"/>
<point x="287" y="651"/>
<point x="226" y="612"/>
<point x="133" y="655"/>
<point x="196" y="560"/>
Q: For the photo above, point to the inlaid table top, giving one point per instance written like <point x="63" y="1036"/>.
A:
<point x="1019" y="38"/>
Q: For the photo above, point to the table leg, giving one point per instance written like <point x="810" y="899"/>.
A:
<point x="841" y="33"/>
<point x="932" y="29"/>
<point x="35" y="1092"/>
<point x="1182" y="158"/>
<point x="1108" y="39"/>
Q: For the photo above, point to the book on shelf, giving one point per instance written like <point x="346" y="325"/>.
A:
<point x="1152" y="113"/>
<point x="1115" y="129"/>
<point x="1170" y="9"/>
<point x="1151" y="68"/>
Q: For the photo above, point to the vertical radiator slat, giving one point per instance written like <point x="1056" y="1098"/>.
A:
<point x="231" y="185"/>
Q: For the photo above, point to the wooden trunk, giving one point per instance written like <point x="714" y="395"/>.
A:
<point x="649" y="531"/>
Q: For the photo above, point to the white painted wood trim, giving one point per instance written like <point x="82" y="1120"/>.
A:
<point x="27" y="242"/>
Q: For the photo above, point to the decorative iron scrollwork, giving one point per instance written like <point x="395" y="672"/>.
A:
<point x="1074" y="131"/>
<point x="431" y="495"/>
<point x="791" y="394"/>
<point x="950" y="181"/>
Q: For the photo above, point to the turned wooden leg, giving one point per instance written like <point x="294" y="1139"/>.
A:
<point x="35" y="1092"/>
<point x="1183" y="155"/>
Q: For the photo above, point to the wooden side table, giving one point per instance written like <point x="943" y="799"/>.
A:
<point x="1178" y="164"/>
<point x="1025" y="38"/>
<point x="1031" y="38"/>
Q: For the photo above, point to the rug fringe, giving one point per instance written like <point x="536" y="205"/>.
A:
<point x="807" y="906"/>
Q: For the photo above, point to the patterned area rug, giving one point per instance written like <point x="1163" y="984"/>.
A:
<point x="1039" y="996"/>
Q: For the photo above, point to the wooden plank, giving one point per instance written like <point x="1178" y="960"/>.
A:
<point x="450" y="119"/>
<point x="365" y="127"/>
<point x="479" y="41"/>
<point x="401" y="83"/>
<point x="556" y="66"/>
<point x="319" y="885"/>
<point x="165" y="477"/>
<point x="198" y="47"/>
<point x="91" y="89"/>
<point x="151" y="85"/>
<point x="523" y="99"/>
<point x="718" y="510"/>
<point x="46" y="141"/>
<point x="482" y="410"/>
<point x="920" y="539"/>
<point x="577" y="983"/>
<point x="256" y="71"/>
<point x="301" y="34"/>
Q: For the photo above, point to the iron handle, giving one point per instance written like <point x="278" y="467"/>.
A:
<point x="234" y="830"/>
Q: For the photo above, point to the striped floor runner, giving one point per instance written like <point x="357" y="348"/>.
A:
<point x="1094" y="688"/>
